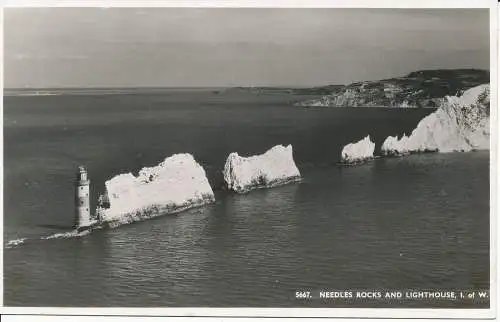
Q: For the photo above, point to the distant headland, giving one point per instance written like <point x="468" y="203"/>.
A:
<point x="417" y="89"/>
<point x="424" y="88"/>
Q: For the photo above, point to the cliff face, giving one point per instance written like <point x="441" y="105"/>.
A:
<point x="424" y="88"/>
<point x="273" y="168"/>
<point x="176" y="184"/>
<point x="359" y="151"/>
<point x="460" y="124"/>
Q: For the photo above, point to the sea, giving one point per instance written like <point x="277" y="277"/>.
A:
<point x="419" y="222"/>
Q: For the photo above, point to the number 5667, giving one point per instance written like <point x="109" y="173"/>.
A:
<point x="302" y="294"/>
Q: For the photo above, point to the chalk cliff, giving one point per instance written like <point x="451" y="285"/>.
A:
<point x="359" y="151"/>
<point x="418" y="89"/>
<point x="461" y="123"/>
<point x="178" y="183"/>
<point x="274" y="167"/>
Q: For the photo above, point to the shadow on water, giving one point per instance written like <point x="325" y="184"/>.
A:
<point x="57" y="227"/>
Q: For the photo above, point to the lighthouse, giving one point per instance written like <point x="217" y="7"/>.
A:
<point x="82" y="203"/>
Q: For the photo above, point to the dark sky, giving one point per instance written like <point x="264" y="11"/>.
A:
<point x="94" y="47"/>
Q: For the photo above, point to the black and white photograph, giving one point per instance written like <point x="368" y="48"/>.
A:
<point x="231" y="157"/>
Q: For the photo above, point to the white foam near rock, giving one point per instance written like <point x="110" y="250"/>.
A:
<point x="15" y="242"/>
<point x="274" y="167"/>
<point x="459" y="124"/>
<point x="359" y="151"/>
<point x="178" y="183"/>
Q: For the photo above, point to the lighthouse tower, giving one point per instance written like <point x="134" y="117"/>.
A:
<point x="82" y="204"/>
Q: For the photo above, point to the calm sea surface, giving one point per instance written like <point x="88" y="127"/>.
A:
<point x="399" y="223"/>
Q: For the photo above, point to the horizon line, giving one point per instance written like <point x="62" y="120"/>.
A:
<point x="234" y="86"/>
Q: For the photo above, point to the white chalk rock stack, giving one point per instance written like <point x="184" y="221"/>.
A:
<point x="178" y="183"/>
<point x="395" y="147"/>
<point x="459" y="124"/>
<point x="358" y="152"/>
<point x="273" y="168"/>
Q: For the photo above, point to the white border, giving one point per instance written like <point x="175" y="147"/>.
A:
<point x="384" y="313"/>
<point x="494" y="124"/>
<point x="301" y="312"/>
<point x="1" y="162"/>
<point x="257" y="3"/>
